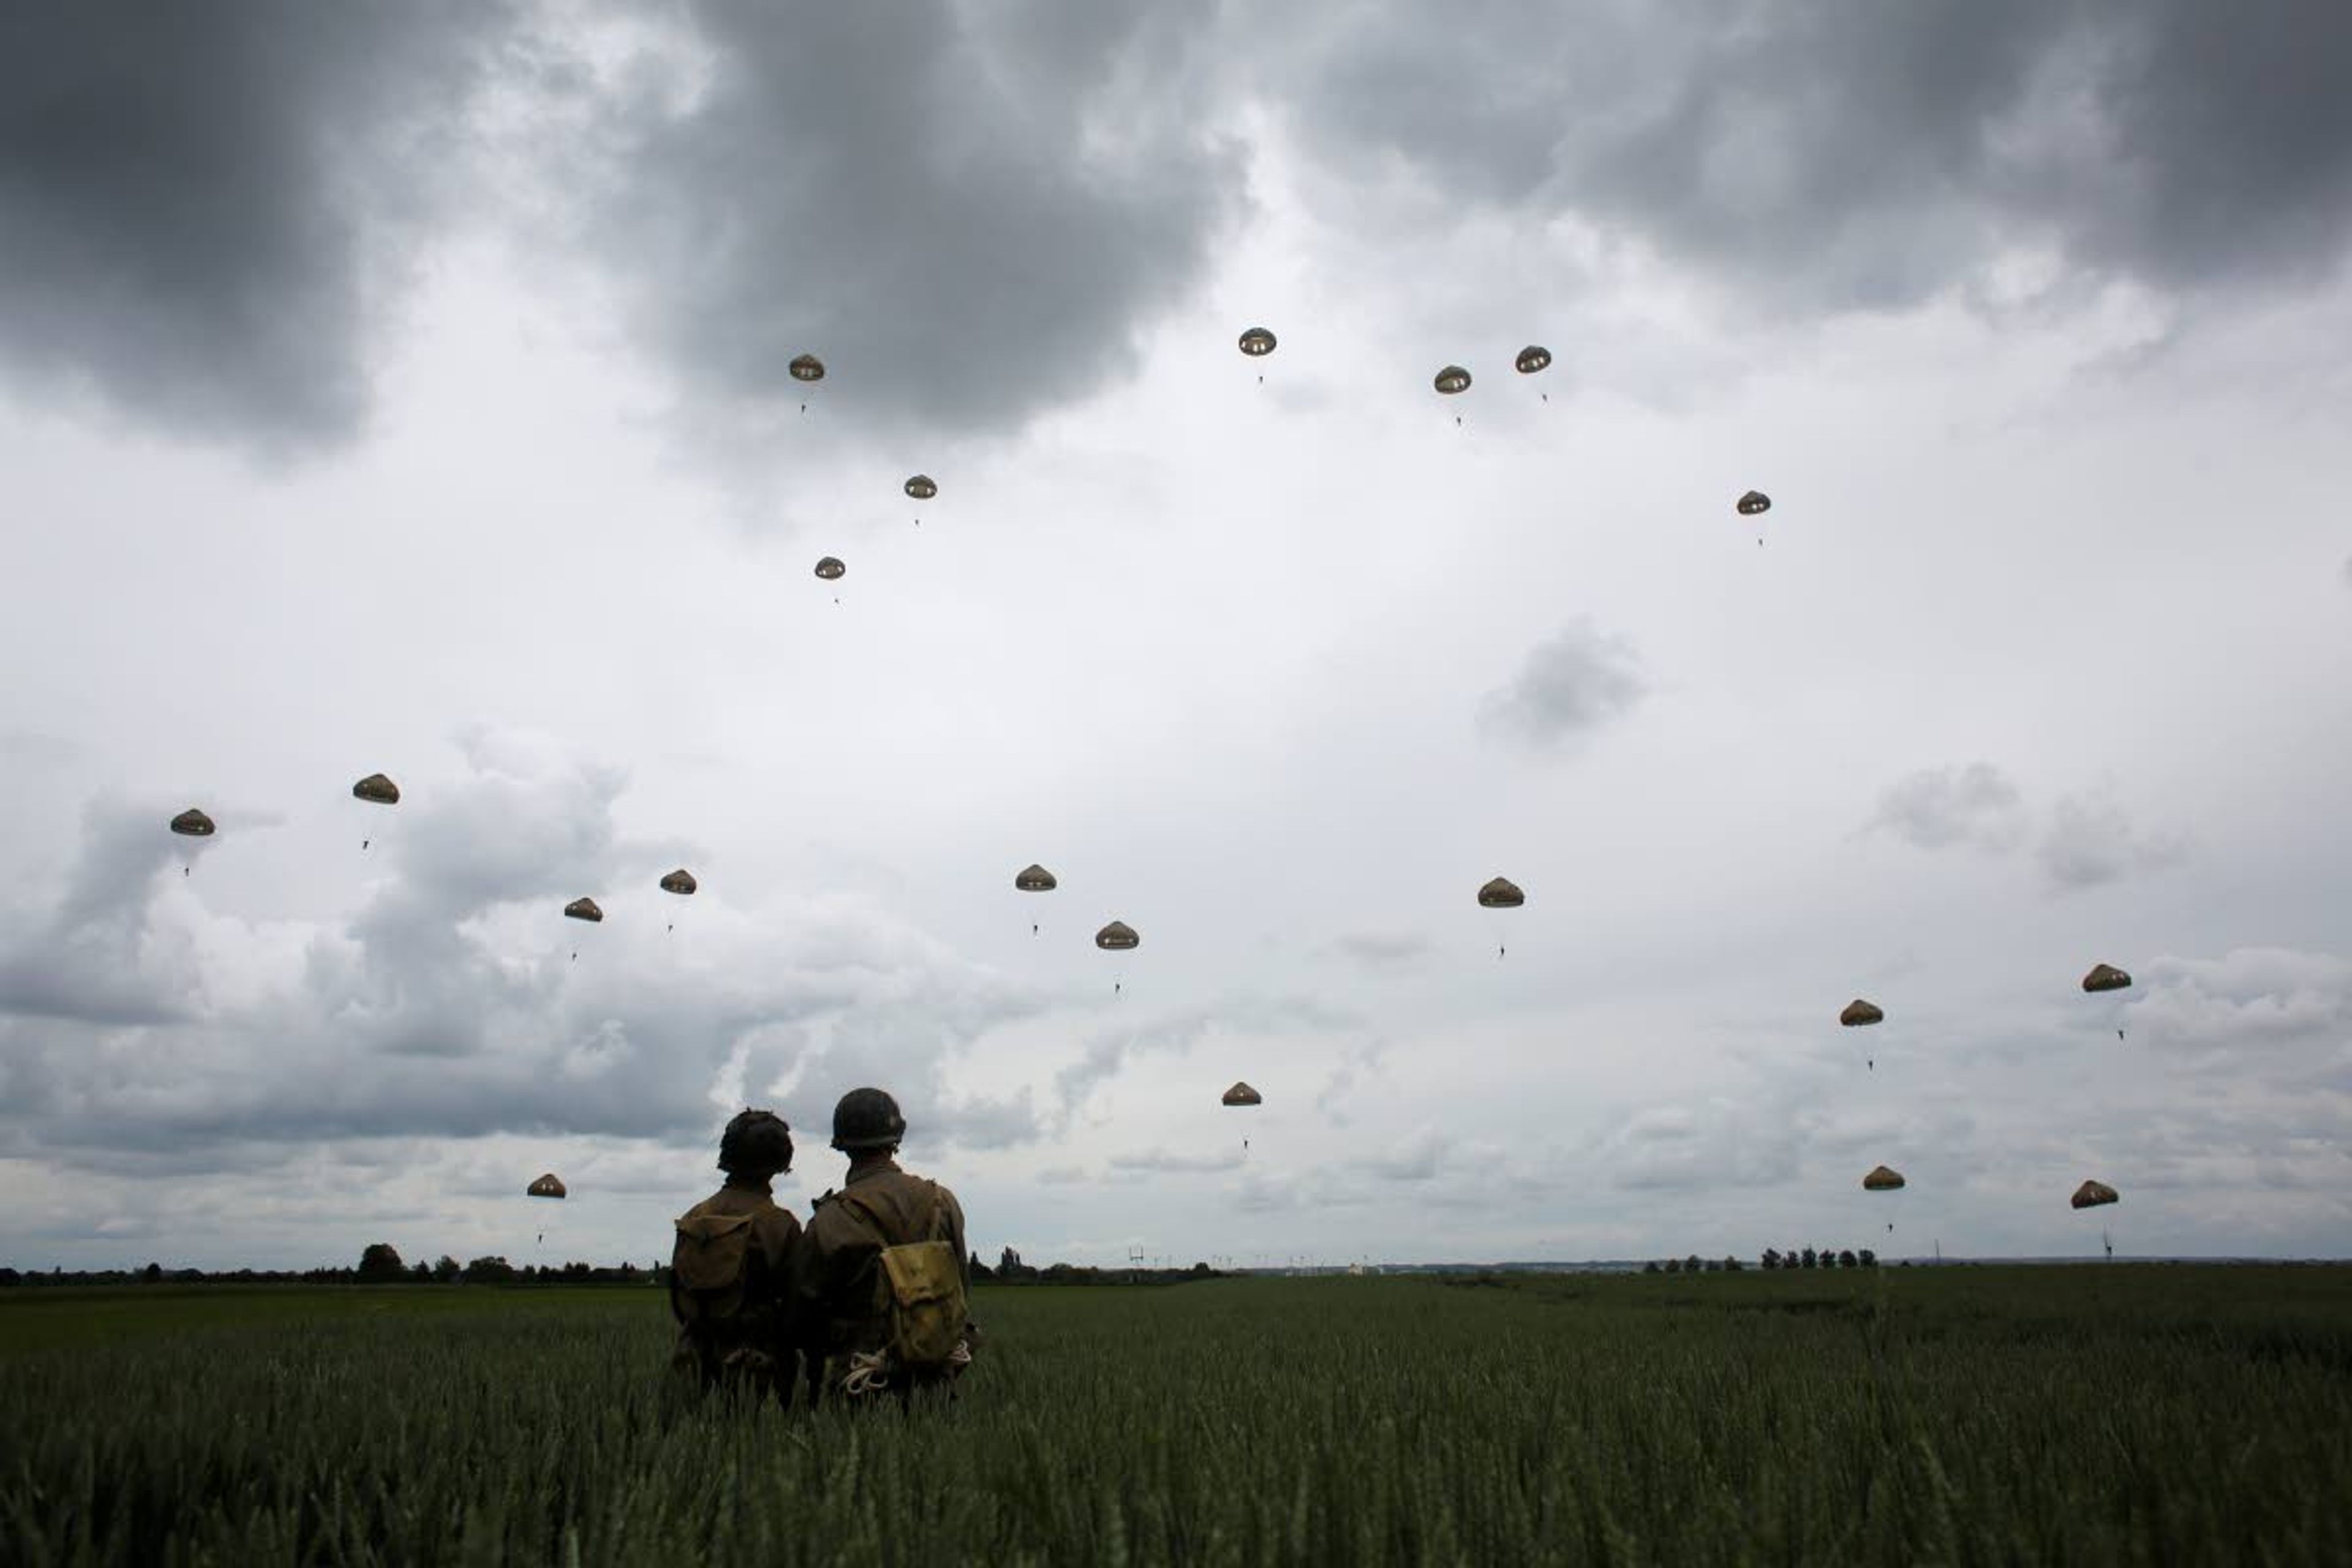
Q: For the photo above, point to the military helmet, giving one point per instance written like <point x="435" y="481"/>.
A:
<point x="868" y="1119"/>
<point x="756" y="1142"/>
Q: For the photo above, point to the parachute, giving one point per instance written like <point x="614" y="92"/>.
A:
<point x="1754" y="502"/>
<point x="681" y="882"/>
<point x="922" y="486"/>
<point x="1859" y="1012"/>
<point x="830" y="567"/>
<point x="2091" y="1195"/>
<point x="2105" y="977"/>
<point x="1501" y="893"/>
<point x="547" y="1187"/>
<point x="1034" y="880"/>
<point x="1257" y="342"/>
<point x="806" y="368"/>
<point x="1118" y="937"/>
<point x="1242" y="1094"/>
<point x="1452" y="379"/>
<point x="378" y="789"/>
<point x="1533" y="358"/>
<point x="583" y="910"/>
<point x="1883" y="1180"/>
<point x="194" y="823"/>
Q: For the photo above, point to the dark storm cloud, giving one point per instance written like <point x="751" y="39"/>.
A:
<point x="1568" y="685"/>
<point x="200" y="204"/>
<point x="2090" y="841"/>
<point x="1846" y="153"/>
<point x="966" y="211"/>
<point x="1935" y="808"/>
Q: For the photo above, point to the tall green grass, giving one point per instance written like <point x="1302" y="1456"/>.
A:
<point x="2096" y="1416"/>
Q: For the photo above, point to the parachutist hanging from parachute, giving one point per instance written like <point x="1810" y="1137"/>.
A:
<point x="1533" y="358"/>
<point x="1452" y="380"/>
<point x="1501" y="893"/>
<point x="1242" y="1094"/>
<point x="1257" y="342"/>
<point x="1883" y="1179"/>
<point x="807" y="368"/>
<point x="2106" y="977"/>
<point x="192" y="824"/>
<point x="547" y="1187"/>
<point x="1755" y="503"/>
<point x="922" y="486"/>
<point x="1118" y="937"/>
<point x="377" y="790"/>
<point x="581" y="909"/>
<point x="831" y="569"/>
<point x="1858" y="1014"/>
<point x="1034" y="880"/>
<point x="681" y="882"/>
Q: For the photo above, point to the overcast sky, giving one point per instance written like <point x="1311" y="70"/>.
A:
<point x="403" y="388"/>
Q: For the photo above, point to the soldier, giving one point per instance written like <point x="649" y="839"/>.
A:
<point x="881" y="1283"/>
<point x="730" y="1266"/>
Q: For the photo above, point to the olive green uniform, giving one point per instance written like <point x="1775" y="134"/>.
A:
<point x="840" y="1296"/>
<point x="758" y="1339"/>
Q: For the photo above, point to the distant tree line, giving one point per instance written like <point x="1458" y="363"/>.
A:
<point x="381" y="1264"/>
<point x="1010" y="1270"/>
<point x="1811" y="1258"/>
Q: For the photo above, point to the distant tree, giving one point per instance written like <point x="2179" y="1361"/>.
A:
<point x="10" y="1277"/>
<point x="1846" y="1259"/>
<point x="981" y="1270"/>
<point x="1732" y="1266"/>
<point x="421" y="1273"/>
<point x="1651" y="1267"/>
<point x="1771" y="1258"/>
<point x="447" y="1269"/>
<point x="1200" y="1268"/>
<point x="1713" y="1267"/>
<point x="1673" y="1266"/>
<point x="380" y="1264"/>
<point x="152" y="1273"/>
<point x="1868" y="1259"/>
<point x="489" y="1271"/>
<point x="1690" y="1264"/>
<point x="1811" y="1258"/>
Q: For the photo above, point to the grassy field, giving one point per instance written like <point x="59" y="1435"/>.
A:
<point x="2096" y="1415"/>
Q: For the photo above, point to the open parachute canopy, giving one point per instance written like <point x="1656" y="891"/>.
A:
<point x="1753" y="502"/>
<point x="1858" y="1012"/>
<point x="922" y="486"/>
<point x="1533" y="358"/>
<point x="830" y="567"/>
<point x="377" y="788"/>
<point x="1257" y="342"/>
<point x="1034" y="880"/>
<point x="806" y="367"/>
<point x="583" y="910"/>
<point x="1452" y="379"/>
<point x="1883" y="1180"/>
<point x="1118" y="937"/>
<point x="679" y="881"/>
<point x="547" y="1187"/>
<point x="1502" y="893"/>
<point x="2105" y="977"/>
<point x="2091" y="1195"/>
<point x="1242" y="1094"/>
<point x="193" y="822"/>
